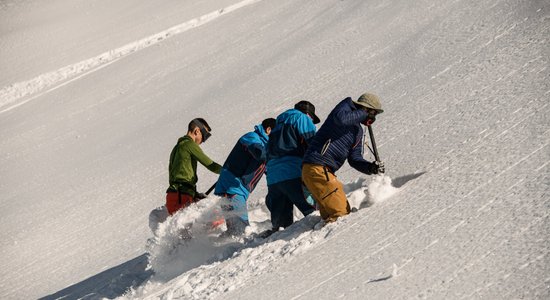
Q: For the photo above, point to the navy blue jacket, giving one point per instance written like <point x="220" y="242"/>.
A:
<point x="341" y="135"/>
<point x="287" y="145"/>
<point x="245" y="165"/>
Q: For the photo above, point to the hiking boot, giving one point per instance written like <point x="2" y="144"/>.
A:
<point x="267" y="233"/>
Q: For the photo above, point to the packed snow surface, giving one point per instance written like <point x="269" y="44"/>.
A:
<point x="95" y="93"/>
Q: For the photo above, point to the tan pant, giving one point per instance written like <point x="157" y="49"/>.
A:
<point x="327" y="191"/>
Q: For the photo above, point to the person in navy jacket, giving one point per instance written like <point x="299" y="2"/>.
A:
<point x="286" y="148"/>
<point x="339" y="138"/>
<point x="240" y="174"/>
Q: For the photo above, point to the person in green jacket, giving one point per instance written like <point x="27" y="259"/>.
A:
<point x="183" y="166"/>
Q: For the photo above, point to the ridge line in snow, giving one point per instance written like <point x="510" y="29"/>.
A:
<point x="16" y="91"/>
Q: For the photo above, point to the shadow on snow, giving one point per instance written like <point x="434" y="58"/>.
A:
<point x="402" y="180"/>
<point x="111" y="283"/>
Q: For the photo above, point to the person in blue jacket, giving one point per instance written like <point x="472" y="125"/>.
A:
<point x="240" y="174"/>
<point x="339" y="138"/>
<point x="286" y="147"/>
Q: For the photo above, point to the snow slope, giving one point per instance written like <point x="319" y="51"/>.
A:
<point x="465" y="137"/>
<point x="38" y="38"/>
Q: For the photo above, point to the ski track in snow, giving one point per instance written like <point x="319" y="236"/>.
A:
<point x="16" y="91"/>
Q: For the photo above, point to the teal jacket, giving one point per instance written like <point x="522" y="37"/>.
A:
<point x="245" y="165"/>
<point x="287" y="145"/>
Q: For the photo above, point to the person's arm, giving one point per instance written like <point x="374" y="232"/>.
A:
<point x="356" y="161"/>
<point x="346" y="116"/>
<point x="196" y="152"/>
<point x="254" y="147"/>
<point x="257" y="151"/>
<point x="306" y="129"/>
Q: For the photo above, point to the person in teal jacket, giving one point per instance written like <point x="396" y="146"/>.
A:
<point x="286" y="147"/>
<point x="242" y="170"/>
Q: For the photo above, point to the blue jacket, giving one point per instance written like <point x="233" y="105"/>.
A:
<point x="287" y="145"/>
<point x="245" y="165"/>
<point x="341" y="135"/>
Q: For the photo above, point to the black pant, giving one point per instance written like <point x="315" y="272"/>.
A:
<point x="280" y="199"/>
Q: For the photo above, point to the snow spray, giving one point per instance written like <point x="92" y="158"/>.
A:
<point x="380" y="189"/>
<point x="171" y="254"/>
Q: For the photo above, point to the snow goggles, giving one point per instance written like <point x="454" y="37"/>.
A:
<point x="205" y="134"/>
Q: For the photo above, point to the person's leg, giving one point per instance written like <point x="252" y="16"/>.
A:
<point x="235" y="214"/>
<point x="279" y="205"/>
<point x="294" y="192"/>
<point x="236" y="226"/>
<point x="176" y="201"/>
<point x="308" y="196"/>
<point x="327" y="191"/>
<point x="172" y="202"/>
<point x="239" y="207"/>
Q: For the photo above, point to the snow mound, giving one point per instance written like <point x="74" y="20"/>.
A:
<point x="362" y="193"/>
<point x="380" y="189"/>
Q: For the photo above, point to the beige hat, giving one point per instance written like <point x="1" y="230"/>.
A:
<point x="369" y="100"/>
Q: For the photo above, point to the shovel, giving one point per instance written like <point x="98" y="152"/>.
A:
<point x="374" y="150"/>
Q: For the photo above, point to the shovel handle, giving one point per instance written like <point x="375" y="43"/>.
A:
<point x="374" y="150"/>
<point x="211" y="188"/>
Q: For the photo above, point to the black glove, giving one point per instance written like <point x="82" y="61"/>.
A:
<point x="376" y="167"/>
<point x="380" y="165"/>
<point x="200" y="196"/>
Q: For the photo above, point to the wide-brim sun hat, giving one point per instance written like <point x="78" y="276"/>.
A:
<point x="307" y="108"/>
<point x="369" y="100"/>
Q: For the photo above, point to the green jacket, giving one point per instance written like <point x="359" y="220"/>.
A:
<point x="183" y="166"/>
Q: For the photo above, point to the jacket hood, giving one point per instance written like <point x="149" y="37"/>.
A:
<point x="259" y="129"/>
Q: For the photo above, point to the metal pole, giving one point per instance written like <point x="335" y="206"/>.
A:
<point x="374" y="150"/>
<point x="211" y="188"/>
